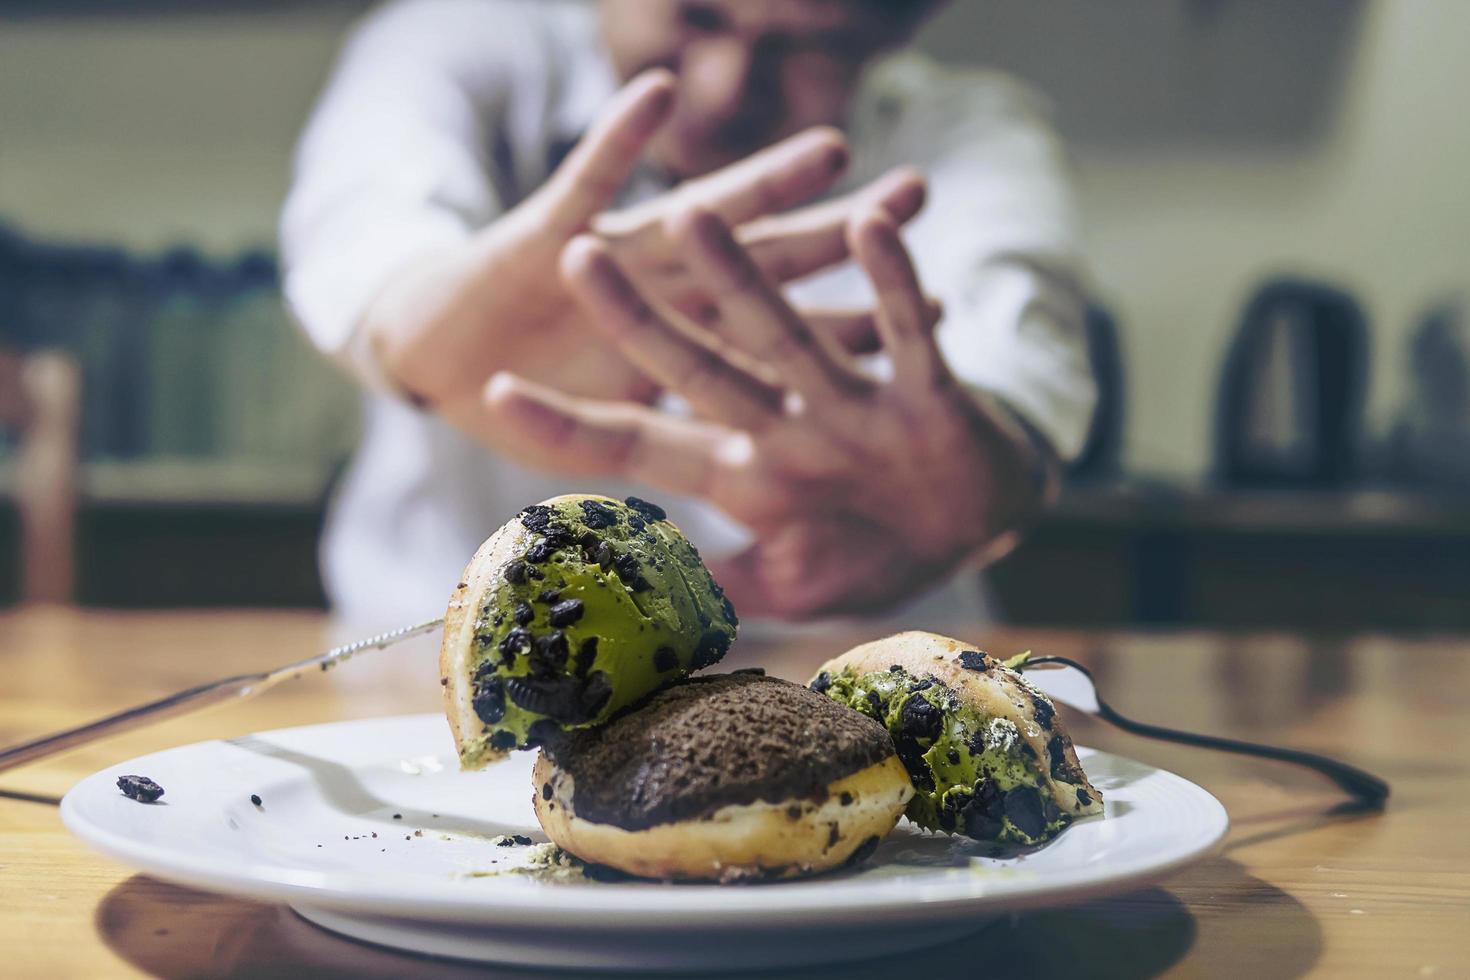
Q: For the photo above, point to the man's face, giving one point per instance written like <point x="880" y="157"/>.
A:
<point x="750" y="71"/>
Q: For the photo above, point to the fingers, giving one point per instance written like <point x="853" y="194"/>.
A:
<point x="856" y="331"/>
<point x="711" y="384"/>
<point x="551" y="430"/>
<point x="589" y="178"/>
<point x="773" y="180"/>
<point x="792" y="245"/>
<point x="902" y="309"/>
<point x="753" y="315"/>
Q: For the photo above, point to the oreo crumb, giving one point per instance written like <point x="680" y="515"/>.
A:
<point x="536" y="517"/>
<point x="821" y="682"/>
<point x="139" y="788"/>
<point x="539" y="552"/>
<point x="973" y="660"/>
<point x="953" y="756"/>
<point x="548" y="596"/>
<point x="516" y="641"/>
<point x="586" y="656"/>
<point x="1044" y="710"/>
<point x="793" y="812"/>
<point x="546" y="791"/>
<point x="567" y="612"/>
<point x="845" y="799"/>
<point x="598" y="515"/>
<point x="515" y="572"/>
<point x="512" y="840"/>
<point x="487" y="697"/>
<point x="665" y="659"/>
<point x="397" y="816"/>
<point x="255" y="798"/>
<point x="503" y="741"/>
<point x="920" y="719"/>
<point x="651" y="511"/>
<point x="523" y="614"/>
<point x="1084" y="798"/>
<point x="549" y="656"/>
<point x="1023" y="806"/>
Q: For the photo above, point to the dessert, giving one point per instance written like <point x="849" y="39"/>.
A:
<point x="987" y="754"/>
<point x="725" y="777"/>
<point x="572" y="611"/>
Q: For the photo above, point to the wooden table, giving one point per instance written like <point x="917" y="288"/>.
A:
<point x="1302" y="887"/>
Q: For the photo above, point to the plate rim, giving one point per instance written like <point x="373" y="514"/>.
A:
<point x="526" y="907"/>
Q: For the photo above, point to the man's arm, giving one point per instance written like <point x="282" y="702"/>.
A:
<point x="1004" y="252"/>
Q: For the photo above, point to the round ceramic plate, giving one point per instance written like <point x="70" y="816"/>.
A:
<point x="369" y="829"/>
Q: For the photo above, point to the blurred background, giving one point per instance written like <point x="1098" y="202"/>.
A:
<point x="1275" y="195"/>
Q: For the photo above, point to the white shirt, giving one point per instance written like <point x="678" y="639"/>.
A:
<point x="442" y="114"/>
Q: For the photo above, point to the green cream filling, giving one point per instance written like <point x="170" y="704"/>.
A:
<point x="679" y="611"/>
<point x="951" y="769"/>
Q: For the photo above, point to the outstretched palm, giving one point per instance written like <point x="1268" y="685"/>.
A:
<point x="858" y="491"/>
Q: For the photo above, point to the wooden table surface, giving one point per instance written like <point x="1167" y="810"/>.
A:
<point x="1302" y="888"/>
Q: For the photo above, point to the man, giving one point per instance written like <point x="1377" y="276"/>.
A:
<point x="549" y="284"/>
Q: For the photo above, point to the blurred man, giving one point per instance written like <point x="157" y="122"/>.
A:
<point x="551" y="284"/>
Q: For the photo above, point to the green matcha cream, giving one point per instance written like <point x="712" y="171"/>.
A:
<point x="972" y="775"/>
<point x="607" y="603"/>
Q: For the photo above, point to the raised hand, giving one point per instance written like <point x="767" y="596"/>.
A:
<point x="443" y="327"/>
<point x="859" y="491"/>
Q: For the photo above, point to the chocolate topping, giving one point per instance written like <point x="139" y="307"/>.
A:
<point x="712" y="742"/>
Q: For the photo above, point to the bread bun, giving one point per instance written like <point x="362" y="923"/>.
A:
<point x="723" y="777"/>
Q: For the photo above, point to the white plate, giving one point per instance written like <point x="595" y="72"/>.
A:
<point x="327" y="789"/>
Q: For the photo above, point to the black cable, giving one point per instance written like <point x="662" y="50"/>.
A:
<point x="1362" y="785"/>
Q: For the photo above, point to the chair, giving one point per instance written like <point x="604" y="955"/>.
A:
<point x="40" y="406"/>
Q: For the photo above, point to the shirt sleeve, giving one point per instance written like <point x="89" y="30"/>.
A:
<point x="394" y="163"/>
<point x="999" y="244"/>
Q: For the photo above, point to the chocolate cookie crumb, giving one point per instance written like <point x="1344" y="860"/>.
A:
<point x="973" y="660"/>
<point x="665" y="659"/>
<point x="255" y="798"/>
<point x="139" y="788"/>
<point x="598" y="515"/>
<point x="651" y="511"/>
<point x="567" y="612"/>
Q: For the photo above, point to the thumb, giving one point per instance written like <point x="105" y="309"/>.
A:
<point x="592" y="173"/>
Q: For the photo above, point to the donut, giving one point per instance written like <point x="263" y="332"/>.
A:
<point x="987" y="754"/>
<point x="572" y="611"/>
<point x="725" y="777"/>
